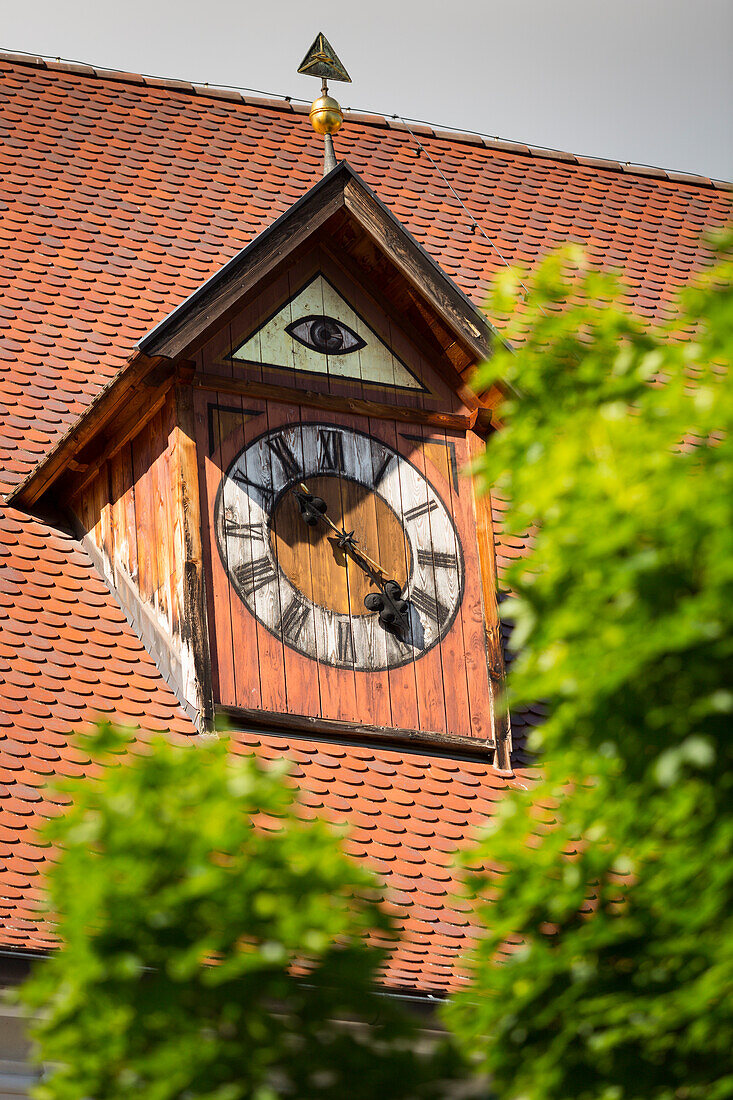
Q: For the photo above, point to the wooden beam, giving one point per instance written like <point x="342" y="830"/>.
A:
<point x="194" y="622"/>
<point x="342" y="190"/>
<point x="420" y="270"/>
<point x="271" y="722"/>
<point x="135" y="416"/>
<point x="358" y="406"/>
<point x="112" y="399"/>
<point x="494" y="649"/>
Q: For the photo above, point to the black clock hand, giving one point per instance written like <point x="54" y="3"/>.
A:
<point x="388" y="601"/>
<point x="312" y="509"/>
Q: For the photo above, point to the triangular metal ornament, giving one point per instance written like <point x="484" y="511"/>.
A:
<point x="322" y="60"/>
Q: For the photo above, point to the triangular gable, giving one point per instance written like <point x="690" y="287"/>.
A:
<point x="319" y="332"/>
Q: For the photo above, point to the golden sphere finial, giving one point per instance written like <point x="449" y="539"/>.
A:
<point x="326" y="115"/>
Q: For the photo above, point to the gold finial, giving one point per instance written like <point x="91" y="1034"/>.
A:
<point x="325" y="114"/>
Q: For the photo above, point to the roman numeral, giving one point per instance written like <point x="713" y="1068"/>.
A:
<point x="382" y="468"/>
<point x="251" y="531"/>
<point x="247" y="482"/>
<point x="345" y="642"/>
<point x="285" y="456"/>
<point x="420" y="510"/>
<point x="293" y="619"/>
<point x="332" y="450"/>
<point x="437" y="559"/>
<point x="254" y="575"/>
<point x="431" y="607"/>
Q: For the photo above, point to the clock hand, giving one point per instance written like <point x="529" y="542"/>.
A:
<point x="388" y="601"/>
<point x="314" y="509"/>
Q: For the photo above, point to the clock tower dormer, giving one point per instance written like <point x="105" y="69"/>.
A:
<point x="274" y="487"/>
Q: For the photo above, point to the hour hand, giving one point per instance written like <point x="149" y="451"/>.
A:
<point x="312" y="509"/>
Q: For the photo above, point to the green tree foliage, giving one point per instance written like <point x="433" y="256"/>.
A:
<point x="215" y="944"/>
<point x="618" y="892"/>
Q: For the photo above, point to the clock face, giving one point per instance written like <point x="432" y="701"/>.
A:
<point x="305" y="585"/>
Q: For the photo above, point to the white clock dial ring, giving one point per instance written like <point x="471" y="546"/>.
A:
<point x="252" y="491"/>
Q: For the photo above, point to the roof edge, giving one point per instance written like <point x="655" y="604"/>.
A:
<point x="295" y="105"/>
<point x="102" y="407"/>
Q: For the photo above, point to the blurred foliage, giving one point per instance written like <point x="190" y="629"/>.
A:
<point x="617" y="899"/>
<point x="215" y="944"/>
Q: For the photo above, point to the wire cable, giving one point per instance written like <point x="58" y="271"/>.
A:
<point x="405" y="120"/>
<point x="460" y="201"/>
<point x="612" y="162"/>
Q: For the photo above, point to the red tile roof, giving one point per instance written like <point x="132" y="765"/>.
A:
<point x="408" y="814"/>
<point x="121" y="195"/>
<point x="66" y="653"/>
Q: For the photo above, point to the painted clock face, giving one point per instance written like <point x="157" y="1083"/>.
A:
<point x="306" y="588"/>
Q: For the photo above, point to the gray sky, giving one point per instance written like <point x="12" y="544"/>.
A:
<point x="649" y="81"/>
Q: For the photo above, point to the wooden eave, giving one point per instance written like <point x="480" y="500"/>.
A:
<point x="339" y="209"/>
<point x="126" y="401"/>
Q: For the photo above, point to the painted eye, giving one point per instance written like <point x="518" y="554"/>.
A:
<point x="326" y="335"/>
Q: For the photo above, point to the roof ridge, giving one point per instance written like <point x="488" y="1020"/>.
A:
<point x="395" y="122"/>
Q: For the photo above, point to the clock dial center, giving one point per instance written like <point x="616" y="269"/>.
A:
<point x="314" y="563"/>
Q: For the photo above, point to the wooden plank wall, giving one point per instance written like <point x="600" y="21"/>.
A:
<point x="128" y="510"/>
<point x="444" y="691"/>
<point x="132" y="511"/>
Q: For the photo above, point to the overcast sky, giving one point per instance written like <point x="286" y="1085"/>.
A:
<point x="649" y="81"/>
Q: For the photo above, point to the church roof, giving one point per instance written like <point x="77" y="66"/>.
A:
<point x="120" y="196"/>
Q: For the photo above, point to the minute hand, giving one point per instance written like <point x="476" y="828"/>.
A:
<point x="388" y="601"/>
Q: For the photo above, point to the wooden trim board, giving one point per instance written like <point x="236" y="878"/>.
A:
<point x="222" y="383"/>
<point x="275" y="723"/>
